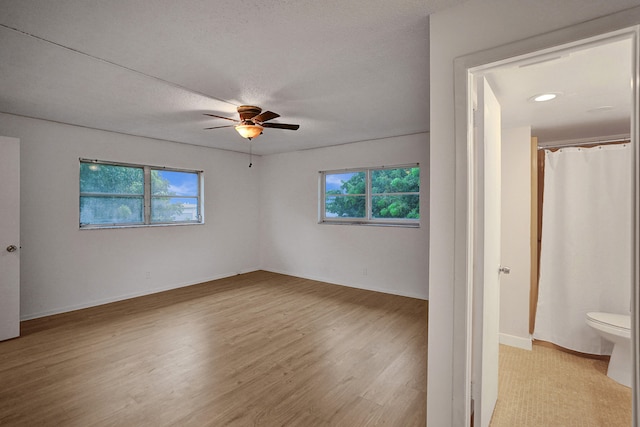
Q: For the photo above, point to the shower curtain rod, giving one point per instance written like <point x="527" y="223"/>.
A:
<point x="579" y="143"/>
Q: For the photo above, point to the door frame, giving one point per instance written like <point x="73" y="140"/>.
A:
<point x="622" y="24"/>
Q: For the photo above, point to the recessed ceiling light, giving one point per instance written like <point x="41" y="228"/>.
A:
<point x="544" y="97"/>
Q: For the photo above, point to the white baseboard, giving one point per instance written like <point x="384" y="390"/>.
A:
<point x="349" y="285"/>
<point x="518" y="342"/>
<point x="116" y="298"/>
<point x="144" y="292"/>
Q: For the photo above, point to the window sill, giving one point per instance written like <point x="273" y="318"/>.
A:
<point x="374" y="224"/>
<point x="111" y="227"/>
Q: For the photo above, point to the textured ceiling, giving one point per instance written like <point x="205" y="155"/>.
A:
<point x="345" y="71"/>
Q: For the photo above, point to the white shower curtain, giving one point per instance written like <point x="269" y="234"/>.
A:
<point x="585" y="259"/>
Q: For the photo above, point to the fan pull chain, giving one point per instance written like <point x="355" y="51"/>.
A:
<point x="250" y="154"/>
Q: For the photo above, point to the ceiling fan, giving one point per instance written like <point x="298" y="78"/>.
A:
<point x="252" y="121"/>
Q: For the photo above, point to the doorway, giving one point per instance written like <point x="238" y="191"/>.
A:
<point x="592" y="105"/>
<point x="483" y="64"/>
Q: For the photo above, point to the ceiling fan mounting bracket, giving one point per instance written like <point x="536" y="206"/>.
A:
<point x="248" y="111"/>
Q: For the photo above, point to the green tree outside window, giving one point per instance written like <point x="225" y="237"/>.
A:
<point x="395" y="194"/>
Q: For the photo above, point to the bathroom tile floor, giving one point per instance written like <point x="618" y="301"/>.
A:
<point x="549" y="387"/>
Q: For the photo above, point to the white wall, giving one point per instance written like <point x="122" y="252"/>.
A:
<point x="387" y="259"/>
<point x="259" y="217"/>
<point x="64" y="268"/>
<point x="471" y="27"/>
<point x="516" y="242"/>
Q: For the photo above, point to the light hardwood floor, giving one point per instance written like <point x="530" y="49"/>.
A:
<point x="256" y="349"/>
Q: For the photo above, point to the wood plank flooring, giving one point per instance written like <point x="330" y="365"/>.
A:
<point x="257" y="349"/>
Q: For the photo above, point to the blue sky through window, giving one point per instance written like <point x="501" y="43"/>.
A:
<point x="181" y="183"/>
<point x="334" y="181"/>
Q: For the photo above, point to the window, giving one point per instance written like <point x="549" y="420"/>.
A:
<point x="382" y="196"/>
<point x="120" y="195"/>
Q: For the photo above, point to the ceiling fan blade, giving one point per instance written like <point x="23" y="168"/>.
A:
<point x="219" y="127"/>
<point x="280" y="126"/>
<point x="267" y="115"/>
<point x="220" y="117"/>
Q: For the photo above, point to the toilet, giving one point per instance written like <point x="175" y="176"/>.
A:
<point x="615" y="328"/>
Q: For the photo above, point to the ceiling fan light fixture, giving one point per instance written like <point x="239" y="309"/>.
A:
<point x="249" y="131"/>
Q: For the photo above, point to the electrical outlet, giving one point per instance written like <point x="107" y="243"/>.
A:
<point x="148" y="275"/>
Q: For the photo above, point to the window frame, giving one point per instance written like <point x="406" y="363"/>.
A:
<point x="368" y="219"/>
<point x="146" y="196"/>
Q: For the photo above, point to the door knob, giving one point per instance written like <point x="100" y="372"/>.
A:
<point x="505" y="270"/>
<point x="12" y="248"/>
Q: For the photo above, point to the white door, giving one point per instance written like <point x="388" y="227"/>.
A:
<point x="486" y="280"/>
<point x="9" y="238"/>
